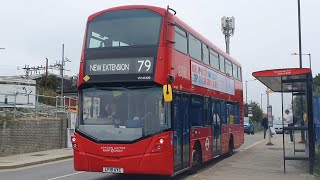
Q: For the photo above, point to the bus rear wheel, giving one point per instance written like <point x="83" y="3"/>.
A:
<point x="196" y="160"/>
<point x="231" y="148"/>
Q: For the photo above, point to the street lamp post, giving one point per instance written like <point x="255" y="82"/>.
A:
<point x="247" y="89"/>
<point x="299" y="24"/>
<point x="261" y="100"/>
<point x="305" y="54"/>
<point x="261" y="105"/>
<point x="303" y="138"/>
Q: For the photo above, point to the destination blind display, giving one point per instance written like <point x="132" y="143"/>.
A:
<point x="143" y="65"/>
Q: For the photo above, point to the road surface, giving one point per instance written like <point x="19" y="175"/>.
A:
<point x="63" y="170"/>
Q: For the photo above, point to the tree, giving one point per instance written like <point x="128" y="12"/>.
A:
<point x="256" y="111"/>
<point x="298" y="108"/>
<point x="52" y="82"/>
<point x="316" y="84"/>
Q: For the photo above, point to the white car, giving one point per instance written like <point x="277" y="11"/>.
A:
<point x="277" y="125"/>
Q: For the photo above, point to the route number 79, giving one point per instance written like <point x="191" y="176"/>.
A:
<point x="146" y="63"/>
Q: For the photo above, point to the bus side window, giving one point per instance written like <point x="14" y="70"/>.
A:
<point x="228" y="113"/>
<point x="206" y="118"/>
<point x="181" y="42"/>
<point x="236" y="113"/>
<point x="231" y="115"/>
<point x="196" y="110"/>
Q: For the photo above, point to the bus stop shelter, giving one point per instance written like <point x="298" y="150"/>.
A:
<point x="298" y="82"/>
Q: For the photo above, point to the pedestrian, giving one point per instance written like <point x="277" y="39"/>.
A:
<point x="289" y="120"/>
<point x="264" y="124"/>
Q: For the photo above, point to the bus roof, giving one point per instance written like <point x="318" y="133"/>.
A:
<point x="162" y="12"/>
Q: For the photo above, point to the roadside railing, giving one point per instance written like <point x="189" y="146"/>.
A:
<point x="34" y="105"/>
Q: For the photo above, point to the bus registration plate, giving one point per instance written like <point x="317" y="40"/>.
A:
<point x="112" y="170"/>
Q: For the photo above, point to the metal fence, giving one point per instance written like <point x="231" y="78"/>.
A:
<point x="34" y="105"/>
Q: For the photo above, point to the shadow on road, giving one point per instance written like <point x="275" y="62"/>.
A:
<point x="184" y="175"/>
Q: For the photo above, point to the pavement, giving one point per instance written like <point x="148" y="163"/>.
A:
<point x="30" y="159"/>
<point x="260" y="161"/>
<point x="253" y="160"/>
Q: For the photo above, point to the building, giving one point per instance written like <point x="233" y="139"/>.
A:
<point x="17" y="90"/>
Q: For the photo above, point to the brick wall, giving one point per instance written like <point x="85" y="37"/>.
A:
<point x="31" y="135"/>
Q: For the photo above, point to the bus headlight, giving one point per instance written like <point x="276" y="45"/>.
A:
<point x="73" y="139"/>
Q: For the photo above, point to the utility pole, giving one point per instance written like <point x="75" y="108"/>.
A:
<point x="247" y="89"/>
<point x="261" y="104"/>
<point x="247" y="92"/>
<point x="61" y="73"/>
<point x="227" y="28"/>
<point x="46" y="74"/>
<point x="34" y="69"/>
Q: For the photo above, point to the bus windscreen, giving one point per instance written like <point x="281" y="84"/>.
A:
<point x="121" y="114"/>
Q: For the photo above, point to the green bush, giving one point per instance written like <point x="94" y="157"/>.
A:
<point x="47" y="100"/>
<point x="257" y="126"/>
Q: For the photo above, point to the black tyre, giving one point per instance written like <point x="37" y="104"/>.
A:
<point x="196" y="160"/>
<point x="231" y="148"/>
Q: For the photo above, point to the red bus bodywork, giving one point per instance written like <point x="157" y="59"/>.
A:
<point x="144" y="156"/>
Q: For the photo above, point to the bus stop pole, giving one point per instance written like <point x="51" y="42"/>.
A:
<point x="283" y="148"/>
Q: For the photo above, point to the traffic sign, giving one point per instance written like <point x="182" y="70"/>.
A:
<point x="250" y="114"/>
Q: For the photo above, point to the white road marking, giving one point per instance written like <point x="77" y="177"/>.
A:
<point x="66" y="175"/>
<point x="34" y="166"/>
<point x="254" y="144"/>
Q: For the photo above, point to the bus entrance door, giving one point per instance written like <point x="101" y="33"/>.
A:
<point x="181" y="126"/>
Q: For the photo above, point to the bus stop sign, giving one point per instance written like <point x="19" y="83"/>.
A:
<point x="250" y="111"/>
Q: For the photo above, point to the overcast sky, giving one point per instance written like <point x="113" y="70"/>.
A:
<point x="265" y="36"/>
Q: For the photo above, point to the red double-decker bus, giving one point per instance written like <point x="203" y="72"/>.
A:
<point x="155" y="97"/>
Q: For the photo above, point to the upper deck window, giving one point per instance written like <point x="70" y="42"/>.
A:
<point x="205" y="54"/>
<point x="138" y="27"/>
<point x="228" y="67"/>
<point x="235" y="71"/>
<point x="221" y="58"/>
<point x="214" y="59"/>
<point x="194" y="47"/>
<point x="239" y="74"/>
<point x="181" y="41"/>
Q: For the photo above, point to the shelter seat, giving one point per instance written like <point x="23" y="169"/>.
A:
<point x="296" y="158"/>
<point x="295" y="128"/>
